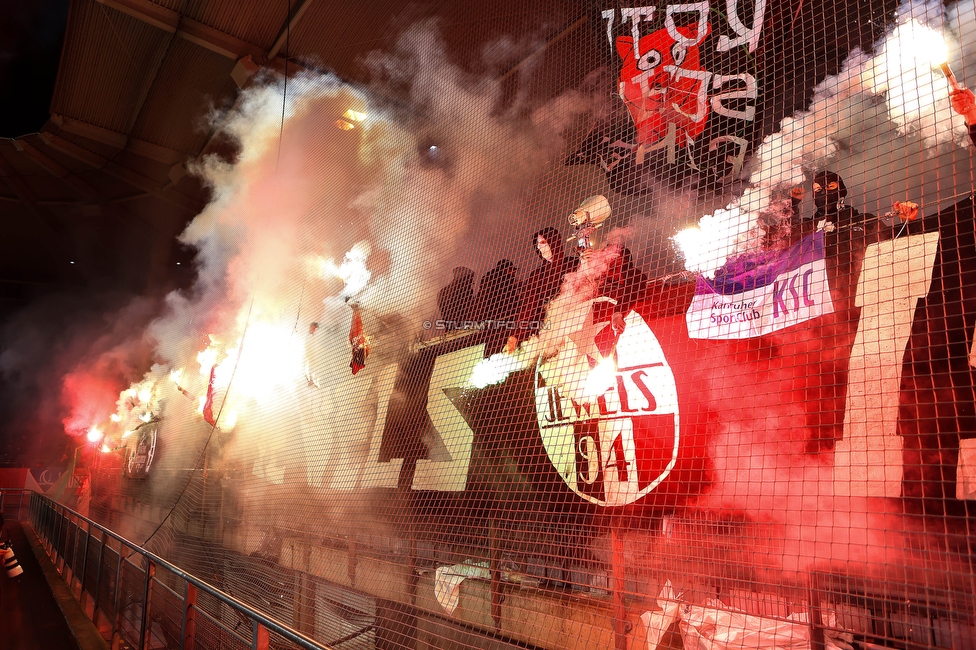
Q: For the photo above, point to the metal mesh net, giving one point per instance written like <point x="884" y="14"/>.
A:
<point x="408" y="403"/>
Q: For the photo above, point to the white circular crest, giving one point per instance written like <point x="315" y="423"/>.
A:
<point x="607" y="408"/>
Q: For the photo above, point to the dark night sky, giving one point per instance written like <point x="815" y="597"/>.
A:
<point x="31" y="34"/>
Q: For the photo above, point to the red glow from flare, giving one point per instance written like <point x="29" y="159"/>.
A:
<point x="88" y="399"/>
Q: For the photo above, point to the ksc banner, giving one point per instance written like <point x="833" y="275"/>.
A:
<point x="762" y="294"/>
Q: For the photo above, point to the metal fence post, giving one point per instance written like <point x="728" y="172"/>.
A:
<point x="116" y="617"/>
<point x="621" y="626"/>
<point x="189" y="616"/>
<point x="52" y="523"/>
<point x="57" y="541"/>
<point x="84" y="563"/>
<point x="260" y="639"/>
<point x="144" y="627"/>
<point x="98" y="580"/>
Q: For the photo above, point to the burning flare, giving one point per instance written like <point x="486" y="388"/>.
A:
<point x="903" y="72"/>
<point x="495" y="369"/>
<point x="706" y="246"/>
<point x="923" y="42"/>
<point x="602" y="377"/>
<point x="358" y="340"/>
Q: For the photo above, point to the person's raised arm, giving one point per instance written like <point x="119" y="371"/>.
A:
<point x="964" y="102"/>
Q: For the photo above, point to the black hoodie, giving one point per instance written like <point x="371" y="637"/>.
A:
<point x="543" y="283"/>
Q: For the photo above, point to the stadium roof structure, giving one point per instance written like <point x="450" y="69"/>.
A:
<point x="103" y="188"/>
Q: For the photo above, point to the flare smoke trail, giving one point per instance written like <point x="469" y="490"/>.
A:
<point x="883" y="123"/>
<point x="564" y="315"/>
<point x="309" y="216"/>
<point x="90" y="336"/>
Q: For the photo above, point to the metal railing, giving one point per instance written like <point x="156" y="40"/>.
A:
<point x="137" y="599"/>
<point x="13" y="503"/>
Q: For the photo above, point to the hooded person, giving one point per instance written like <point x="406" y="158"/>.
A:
<point x="829" y="195"/>
<point x="456" y="301"/>
<point x="625" y="283"/>
<point x="498" y="301"/>
<point x="498" y="293"/>
<point x="847" y="232"/>
<point x="833" y="216"/>
<point x="542" y="285"/>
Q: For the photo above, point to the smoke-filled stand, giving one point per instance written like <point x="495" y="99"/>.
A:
<point x="546" y="326"/>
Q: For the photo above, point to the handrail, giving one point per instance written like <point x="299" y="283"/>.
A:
<point x="262" y="622"/>
<point x="20" y="502"/>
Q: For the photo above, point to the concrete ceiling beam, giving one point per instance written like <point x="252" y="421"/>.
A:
<point x="290" y="23"/>
<point x="121" y="173"/>
<point x="90" y="131"/>
<point x="116" y="139"/>
<point x="56" y="169"/>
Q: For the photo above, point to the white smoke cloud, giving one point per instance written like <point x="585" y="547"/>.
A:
<point x="883" y="123"/>
<point x="309" y="215"/>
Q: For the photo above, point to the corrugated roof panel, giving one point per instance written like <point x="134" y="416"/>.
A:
<point x="190" y="80"/>
<point x="254" y="21"/>
<point x="107" y="58"/>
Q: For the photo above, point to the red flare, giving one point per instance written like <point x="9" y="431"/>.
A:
<point x="208" y="413"/>
<point x="951" y="78"/>
<point x="358" y="341"/>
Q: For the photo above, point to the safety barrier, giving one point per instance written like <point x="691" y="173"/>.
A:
<point x="13" y="503"/>
<point x="136" y="598"/>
